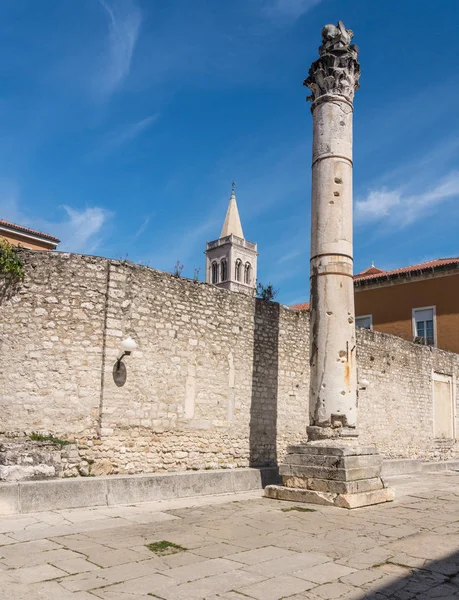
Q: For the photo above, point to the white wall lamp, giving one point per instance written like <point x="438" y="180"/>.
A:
<point x="363" y="384"/>
<point x="127" y="346"/>
<point x="119" y="368"/>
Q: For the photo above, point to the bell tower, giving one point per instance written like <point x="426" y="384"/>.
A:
<point x="231" y="260"/>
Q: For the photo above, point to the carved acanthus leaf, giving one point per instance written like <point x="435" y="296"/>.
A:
<point x="337" y="71"/>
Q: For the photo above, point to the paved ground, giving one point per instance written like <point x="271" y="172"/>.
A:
<point x="240" y="546"/>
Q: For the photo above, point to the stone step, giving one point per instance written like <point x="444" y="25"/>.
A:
<point x="365" y="498"/>
<point x="358" y="500"/>
<point x="338" y="450"/>
<point x="341" y="462"/>
<point x="334" y="487"/>
<point x="336" y="474"/>
<point x="280" y="492"/>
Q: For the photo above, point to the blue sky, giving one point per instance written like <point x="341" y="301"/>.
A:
<point x="123" y="123"/>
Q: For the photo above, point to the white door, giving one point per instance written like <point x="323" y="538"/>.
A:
<point x="443" y="407"/>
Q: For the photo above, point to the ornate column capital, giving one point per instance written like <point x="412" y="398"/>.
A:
<point x="337" y="71"/>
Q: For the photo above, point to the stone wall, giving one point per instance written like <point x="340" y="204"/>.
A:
<point x="396" y="408"/>
<point x="22" y="458"/>
<point x="219" y="379"/>
<point x="51" y="342"/>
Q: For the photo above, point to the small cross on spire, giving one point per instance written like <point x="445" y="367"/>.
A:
<point x="232" y="187"/>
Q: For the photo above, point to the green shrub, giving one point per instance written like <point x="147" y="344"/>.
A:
<point x="10" y="262"/>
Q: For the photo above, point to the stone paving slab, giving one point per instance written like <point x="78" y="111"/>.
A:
<point x="240" y="546"/>
<point x="276" y="588"/>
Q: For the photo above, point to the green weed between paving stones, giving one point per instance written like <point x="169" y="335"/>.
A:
<point x="163" y="548"/>
<point x="299" y="509"/>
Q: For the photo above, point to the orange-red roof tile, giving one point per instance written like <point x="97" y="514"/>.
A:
<point x="304" y="306"/>
<point x="20" y="228"/>
<point x="430" y="265"/>
<point x="370" y="271"/>
<point x="375" y="274"/>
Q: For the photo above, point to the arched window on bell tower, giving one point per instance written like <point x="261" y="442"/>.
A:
<point x="237" y="270"/>
<point x="223" y="270"/>
<point x="214" y="272"/>
<point x="247" y="273"/>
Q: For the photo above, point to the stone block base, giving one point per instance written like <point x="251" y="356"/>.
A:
<point x="279" y="492"/>
<point x="333" y="475"/>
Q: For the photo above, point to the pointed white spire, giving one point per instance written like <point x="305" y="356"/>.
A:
<point x="232" y="224"/>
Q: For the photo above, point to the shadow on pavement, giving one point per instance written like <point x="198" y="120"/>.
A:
<point x="435" y="579"/>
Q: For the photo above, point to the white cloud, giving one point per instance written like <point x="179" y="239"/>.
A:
<point x="143" y="227"/>
<point x="288" y="9"/>
<point x="124" y="21"/>
<point x="121" y="136"/>
<point x="377" y="205"/>
<point x="402" y="207"/>
<point x="80" y="231"/>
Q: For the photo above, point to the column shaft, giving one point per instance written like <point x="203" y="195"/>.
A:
<point x="329" y="469"/>
<point x="333" y="384"/>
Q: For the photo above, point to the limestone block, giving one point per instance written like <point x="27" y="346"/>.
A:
<point x="335" y="450"/>
<point x="361" y="461"/>
<point x="330" y="472"/>
<point x="62" y="493"/>
<point x="434" y="466"/>
<point x="102" y="467"/>
<point x="207" y="482"/>
<point x="343" y="462"/>
<point x="253" y="479"/>
<point x="125" y="490"/>
<point x="278" y="492"/>
<point x="83" y="469"/>
<point x="9" y="499"/>
<point x="365" y="498"/>
<point x="24" y="473"/>
<point x="400" y="466"/>
<point x="313" y="460"/>
<point x="296" y="482"/>
<point x="358" y="500"/>
<point x="345" y="487"/>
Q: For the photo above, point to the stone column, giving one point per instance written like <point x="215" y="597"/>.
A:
<point x="333" y="79"/>
<point x="330" y="468"/>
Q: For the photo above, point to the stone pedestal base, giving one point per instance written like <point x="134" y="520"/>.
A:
<point x="335" y="475"/>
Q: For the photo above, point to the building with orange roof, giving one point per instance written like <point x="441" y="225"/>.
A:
<point x="28" y="238"/>
<point x="419" y="303"/>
